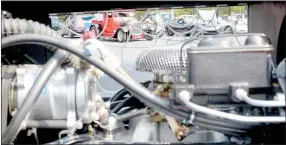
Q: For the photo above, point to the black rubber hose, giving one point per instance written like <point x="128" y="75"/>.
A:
<point x="121" y="104"/>
<point x="113" y="104"/>
<point x="141" y="93"/>
<point x="119" y="95"/>
<point x="11" y="26"/>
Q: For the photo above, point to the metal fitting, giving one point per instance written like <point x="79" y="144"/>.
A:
<point x="233" y="87"/>
<point x="192" y="117"/>
<point x="179" y="89"/>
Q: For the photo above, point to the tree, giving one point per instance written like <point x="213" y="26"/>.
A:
<point x="62" y="18"/>
<point x="140" y="14"/>
<point x="192" y="11"/>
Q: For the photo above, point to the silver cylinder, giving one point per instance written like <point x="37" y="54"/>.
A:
<point x="65" y="97"/>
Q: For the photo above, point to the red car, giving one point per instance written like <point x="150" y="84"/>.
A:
<point x="117" y="25"/>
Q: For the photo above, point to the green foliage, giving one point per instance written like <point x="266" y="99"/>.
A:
<point x="139" y="14"/>
<point x="62" y="18"/>
<point x="192" y="11"/>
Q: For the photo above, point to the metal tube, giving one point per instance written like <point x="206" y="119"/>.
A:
<point x="221" y="123"/>
<point x="242" y="95"/>
<point x="140" y="92"/>
<point x="47" y="124"/>
<point x="130" y="115"/>
<point x="185" y="97"/>
<point x="49" y="68"/>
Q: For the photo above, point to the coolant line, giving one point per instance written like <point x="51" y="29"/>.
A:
<point x="140" y="92"/>
<point x="185" y="97"/>
<point x="34" y="93"/>
<point x="242" y="95"/>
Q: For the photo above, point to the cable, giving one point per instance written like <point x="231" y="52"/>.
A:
<point x="185" y="97"/>
<point x="34" y="93"/>
<point x="120" y="94"/>
<point x="139" y="92"/>
<point x="18" y="26"/>
<point x="129" y="115"/>
<point x="104" y="90"/>
<point x="194" y="33"/>
<point x="220" y="122"/>
<point x="121" y="104"/>
<point x="117" y="107"/>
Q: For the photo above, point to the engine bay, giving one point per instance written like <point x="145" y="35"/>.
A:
<point x="218" y="91"/>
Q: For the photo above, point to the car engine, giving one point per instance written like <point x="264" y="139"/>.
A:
<point x="216" y="91"/>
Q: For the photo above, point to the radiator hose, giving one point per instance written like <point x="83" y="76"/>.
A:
<point x="11" y="26"/>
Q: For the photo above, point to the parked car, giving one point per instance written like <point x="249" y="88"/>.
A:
<point x="117" y="26"/>
<point x="186" y="18"/>
<point x="153" y="24"/>
<point x="80" y="23"/>
<point x="240" y="27"/>
<point x="181" y="26"/>
<point x="210" y="24"/>
<point x="149" y="27"/>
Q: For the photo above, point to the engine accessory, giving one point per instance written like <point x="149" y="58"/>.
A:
<point x="207" y="66"/>
<point x="15" y="124"/>
<point x="64" y="97"/>
<point x="156" y="102"/>
<point x="142" y="94"/>
<point x="161" y="61"/>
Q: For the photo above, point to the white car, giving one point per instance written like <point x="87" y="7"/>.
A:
<point x="211" y="24"/>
